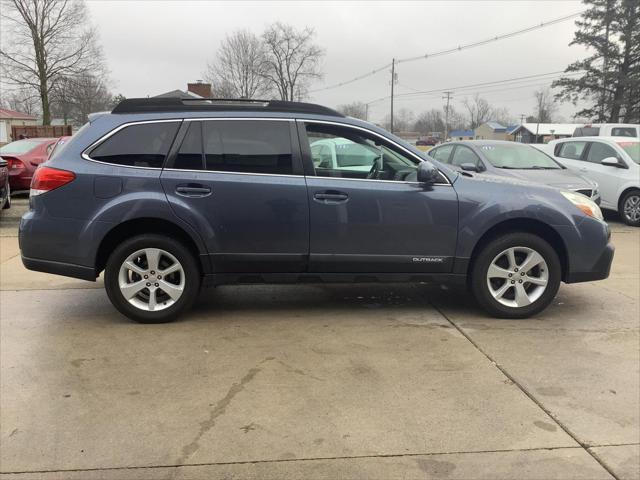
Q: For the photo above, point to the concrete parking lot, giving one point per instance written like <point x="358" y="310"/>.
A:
<point x="338" y="381"/>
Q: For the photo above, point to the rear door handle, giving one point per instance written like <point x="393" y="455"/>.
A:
<point x="331" y="197"/>
<point x="193" y="190"/>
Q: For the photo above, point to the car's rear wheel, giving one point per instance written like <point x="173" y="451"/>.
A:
<point x="7" y="203"/>
<point x="630" y="208"/>
<point x="152" y="278"/>
<point x="516" y="275"/>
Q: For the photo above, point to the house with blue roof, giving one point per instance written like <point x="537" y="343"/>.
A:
<point x="491" y="131"/>
<point x="460" y="135"/>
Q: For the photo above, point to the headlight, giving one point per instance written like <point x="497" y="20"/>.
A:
<point x="585" y="204"/>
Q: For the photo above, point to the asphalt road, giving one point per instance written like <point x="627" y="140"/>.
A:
<point x="339" y="381"/>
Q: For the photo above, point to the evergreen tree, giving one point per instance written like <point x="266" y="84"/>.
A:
<point x="609" y="79"/>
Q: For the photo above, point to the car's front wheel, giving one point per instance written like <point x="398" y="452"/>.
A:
<point x="516" y="275"/>
<point x="630" y="208"/>
<point x="152" y="278"/>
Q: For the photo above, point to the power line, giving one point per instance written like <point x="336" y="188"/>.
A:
<point x="489" y="40"/>
<point x="451" y="50"/>
<point x="438" y="91"/>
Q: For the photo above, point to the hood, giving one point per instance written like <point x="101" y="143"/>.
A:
<point x="564" y="179"/>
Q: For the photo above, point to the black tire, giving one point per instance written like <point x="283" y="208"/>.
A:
<point x="7" y="204"/>
<point x="485" y="257"/>
<point x="192" y="278"/>
<point x="627" y="197"/>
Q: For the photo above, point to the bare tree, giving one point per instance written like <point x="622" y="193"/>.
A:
<point x="430" y="121"/>
<point x="44" y="41"/>
<point x="479" y="111"/>
<point x="239" y="69"/>
<point x="545" y="106"/>
<point x="457" y="120"/>
<point x="354" y="109"/>
<point x="402" y="121"/>
<point x="74" y="98"/>
<point x="503" y="116"/>
<point x="21" y="100"/>
<point x="292" y="60"/>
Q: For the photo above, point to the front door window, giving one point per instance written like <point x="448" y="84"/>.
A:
<point x="349" y="153"/>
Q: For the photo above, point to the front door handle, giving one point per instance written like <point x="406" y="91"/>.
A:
<point x="331" y="197"/>
<point x="193" y="190"/>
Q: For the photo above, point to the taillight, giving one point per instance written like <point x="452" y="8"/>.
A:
<point x="46" y="179"/>
<point x="15" y="165"/>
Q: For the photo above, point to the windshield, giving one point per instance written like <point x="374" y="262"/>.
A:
<point x="518" y="156"/>
<point x="632" y="149"/>
<point x="19" y="146"/>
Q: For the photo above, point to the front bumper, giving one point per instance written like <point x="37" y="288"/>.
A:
<point x="599" y="271"/>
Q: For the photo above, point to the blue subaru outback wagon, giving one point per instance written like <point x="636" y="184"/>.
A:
<point x="165" y="195"/>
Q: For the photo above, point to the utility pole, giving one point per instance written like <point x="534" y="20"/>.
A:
<point x="366" y="112"/>
<point x="446" y="114"/>
<point x="393" y="81"/>
<point x="522" y="118"/>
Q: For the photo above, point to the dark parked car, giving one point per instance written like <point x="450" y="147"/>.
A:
<point x="23" y="157"/>
<point x="513" y="160"/>
<point x="5" y="189"/>
<point x="426" y="142"/>
<point x="167" y="194"/>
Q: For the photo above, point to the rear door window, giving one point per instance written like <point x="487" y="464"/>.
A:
<point x="586" y="132"/>
<point x="624" y="132"/>
<point x="138" y="145"/>
<point x="571" y="150"/>
<point x="248" y="146"/>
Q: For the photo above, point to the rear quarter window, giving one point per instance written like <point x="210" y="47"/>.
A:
<point x="137" y="145"/>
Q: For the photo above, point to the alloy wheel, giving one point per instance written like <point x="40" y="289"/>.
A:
<point x="517" y="277"/>
<point x="631" y="208"/>
<point x="151" y="279"/>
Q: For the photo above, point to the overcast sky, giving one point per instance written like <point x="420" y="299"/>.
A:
<point x="155" y="46"/>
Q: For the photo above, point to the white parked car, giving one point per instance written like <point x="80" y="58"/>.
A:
<point x="608" y="130"/>
<point x="341" y="153"/>
<point x="613" y="162"/>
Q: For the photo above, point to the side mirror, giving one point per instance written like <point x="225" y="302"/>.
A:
<point x="427" y="173"/>
<point x="470" y="167"/>
<point x="611" y="162"/>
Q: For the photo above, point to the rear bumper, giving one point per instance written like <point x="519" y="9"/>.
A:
<point x="600" y="270"/>
<point x="21" y="181"/>
<point x="59" y="268"/>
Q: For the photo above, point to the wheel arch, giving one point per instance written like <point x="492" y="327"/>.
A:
<point x="623" y="193"/>
<point x="525" y="225"/>
<point x="138" y="226"/>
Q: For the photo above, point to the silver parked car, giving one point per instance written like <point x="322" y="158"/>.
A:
<point x="499" y="158"/>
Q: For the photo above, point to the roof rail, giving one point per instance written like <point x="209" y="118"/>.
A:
<point x="175" y="104"/>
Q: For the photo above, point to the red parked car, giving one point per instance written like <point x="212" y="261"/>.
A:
<point x="23" y="157"/>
